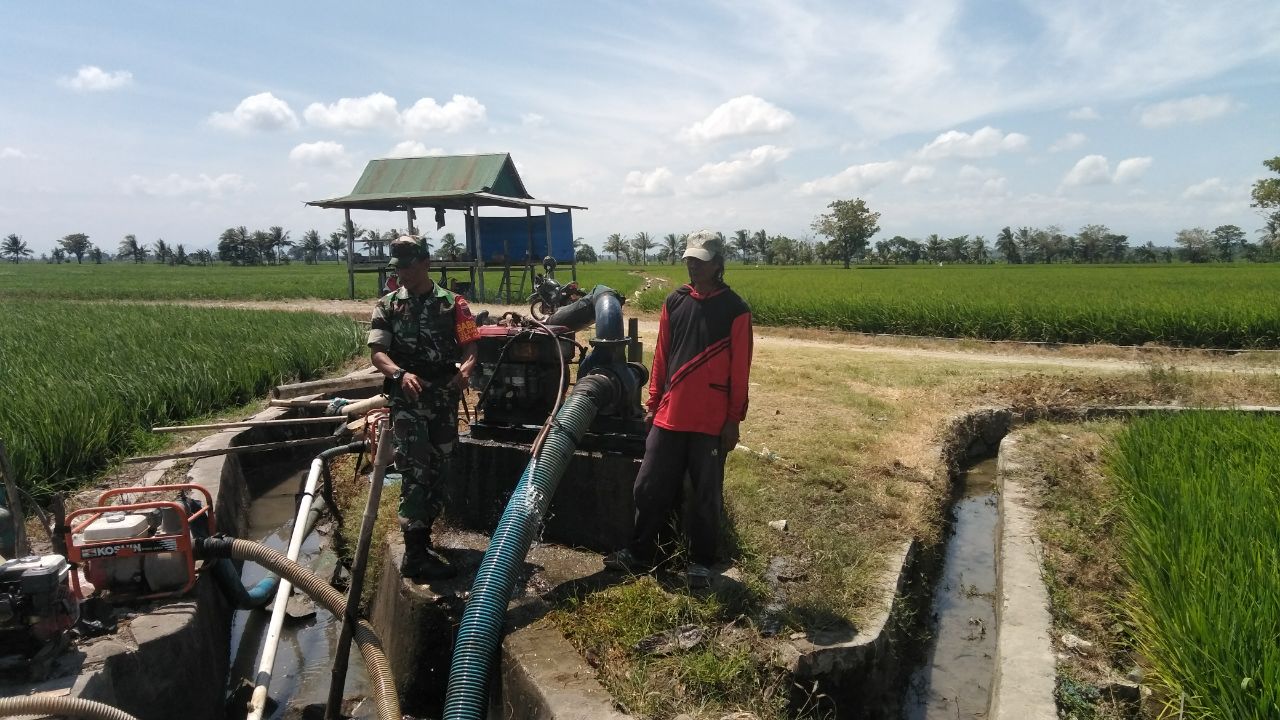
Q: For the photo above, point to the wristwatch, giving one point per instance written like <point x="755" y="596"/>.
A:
<point x="397" y="375"/>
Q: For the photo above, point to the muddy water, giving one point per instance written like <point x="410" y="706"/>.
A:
<point x="955" y="681"/>
<point x="303" y="660"/>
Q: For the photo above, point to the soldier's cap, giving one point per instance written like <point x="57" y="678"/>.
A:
<point x="407" y="248"/>
<point x="704" y="245"/>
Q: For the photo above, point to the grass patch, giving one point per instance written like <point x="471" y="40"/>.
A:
<point x="1200" y="491"/>
<point x="86" y="381"/>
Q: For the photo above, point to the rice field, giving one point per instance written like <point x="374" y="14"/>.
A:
<point x="83" y="382"/>
<point x="1201" y="493"/>
<point x="324" y="281"/>
<point x="1220" y="306"/>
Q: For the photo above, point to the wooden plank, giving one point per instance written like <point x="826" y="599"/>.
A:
<point x="232" y="450"/>
<point x="247" y="423"/>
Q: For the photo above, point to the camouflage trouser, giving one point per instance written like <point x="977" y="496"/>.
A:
<point x="425" y="432"/>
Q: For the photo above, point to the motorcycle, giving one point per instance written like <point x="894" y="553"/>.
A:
<point x="548" y="294"/>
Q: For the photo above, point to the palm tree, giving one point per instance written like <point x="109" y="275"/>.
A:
<point x="14" y="248"/>
<point x="204" y="257"/>
<point x="616" y="245"/>
<point x="978" y="251"/>
<point x="671" y="247"/>
<point x="336" y="242"/>
<point x="179" y="256"/>
<point x="1006" y="246"/>
<point x="162" y="251"/>
<point x="643" y="242"/>
<point x="450" y="248"/>
<point x="760" y="241"/>
<point x="1028" y="250"/>
<point x="277" y="238"/>
<point x="742" y="243"/>
<point x="311" y="246"/>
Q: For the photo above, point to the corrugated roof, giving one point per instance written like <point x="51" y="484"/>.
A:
<point x="438" y="181"/>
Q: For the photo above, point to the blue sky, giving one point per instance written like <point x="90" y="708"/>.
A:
<point x="177" y="120"/>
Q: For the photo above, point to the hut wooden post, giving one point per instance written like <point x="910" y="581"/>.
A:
<point x="351" y="254"/>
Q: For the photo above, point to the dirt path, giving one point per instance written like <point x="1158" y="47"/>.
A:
<point x="1098" y="358"/>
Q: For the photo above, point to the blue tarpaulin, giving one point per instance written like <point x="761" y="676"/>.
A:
<point x="502" y="235"/>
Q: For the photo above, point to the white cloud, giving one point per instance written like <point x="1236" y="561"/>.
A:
<point x="995" y="187"/>
<point x="984" y="143"/>
<point x="747" y="169"/>
<point x="11" y="152"/>
<point x="91" y="78"/>
<point x="1188" y="110"/>
<point x="1089" y="170"/>
<point x="1211" y="189"/>
<point x="659" y="181"/>
<point x="177" y="186"/>
<point x="413" y="148"/>
<point x="370" y="111"/>
<point x="532" y="120"/>
<point x="971" y="175"/>
<point x="1131" y="169"/>
<point x="458" y="114"/>
<point x="263" y="111"/>
<point x="743" y="115"/>
<point x="324" y="152"/>
<point x="918" y="173"/>
<point x="1068" y="142"/>
<point x="1084" y="113"/>
<point x="854" y="179"/>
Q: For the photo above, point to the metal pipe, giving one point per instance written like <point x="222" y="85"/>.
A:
<point x="338" y="676"/>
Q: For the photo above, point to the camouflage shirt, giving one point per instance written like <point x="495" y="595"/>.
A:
<point x="423" y="334"/>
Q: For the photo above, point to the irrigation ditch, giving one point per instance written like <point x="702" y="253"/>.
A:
<point x="962" y="630"/>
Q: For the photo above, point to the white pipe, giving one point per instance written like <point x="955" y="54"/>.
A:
<point x="258" y="702"/>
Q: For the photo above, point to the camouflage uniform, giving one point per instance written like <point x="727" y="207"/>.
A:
<point x="423" y="335"/>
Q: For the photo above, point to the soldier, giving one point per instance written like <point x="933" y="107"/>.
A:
<point x="419" y="335"/>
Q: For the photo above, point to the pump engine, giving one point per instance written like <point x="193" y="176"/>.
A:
<point x="37" y="607"/>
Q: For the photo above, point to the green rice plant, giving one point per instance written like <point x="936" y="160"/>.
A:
<point x="82" y="380"/>
<point x="1201" y="492"/>
<point x="326" y="281"/>
<point x="1229" y="306"/>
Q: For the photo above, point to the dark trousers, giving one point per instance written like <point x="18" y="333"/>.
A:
<point x="668" y="455"/>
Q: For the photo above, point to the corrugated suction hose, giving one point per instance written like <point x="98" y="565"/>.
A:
<point x="375" y="661"/>
<point x="480" y="633"/>
<point x="61" y="706"/>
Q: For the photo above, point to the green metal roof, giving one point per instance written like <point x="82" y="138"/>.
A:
<point x="439" y="181"/>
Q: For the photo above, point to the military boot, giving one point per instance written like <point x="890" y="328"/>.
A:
<point x="420" y="561"/>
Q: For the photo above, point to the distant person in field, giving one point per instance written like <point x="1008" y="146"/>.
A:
<point x="697" y="398"/>
<point x="422" y="338"/>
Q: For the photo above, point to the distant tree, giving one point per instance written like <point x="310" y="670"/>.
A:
<point x="1115" y="247"/>
<point x="130" y="248"/>
<point x="643" y="242"/>
<point x="58" y="256"/>
<point x="763" y="245"/>
<point x="1266" y="192"/>
<point x="311" y="246"/>
<point x="978" y="250"/>
<point x="451" y="249"/>
<point x="741" y="242"/>
<point x="75" y="244"/>
<point x="277" y="240"/>
<point x="582" y="252"/>
<point x="958" y="249"/>
<point x="850" y="224"/>
<point x="1146" y="253"/>
<point x="616" y="245"/>
<point x="1028" y="248"/>
<point x="671" y="247"/>
<point x="163" y="251"/>
<point x="95" y="254"/>
<point x="1270" y="233"/>
<point x="336" y="242"/>
<point x="1091" y="243"/>
<point x="202" y="256"/>
<point x="1196" y="245"/>
<point x="236" y="246"/>
<point x="14" y="248"/>
<point x="178" y="256"/>
<point x="1225" y="240"/>
<point x="1007" y="246"/>
<point x="935" y="248"/>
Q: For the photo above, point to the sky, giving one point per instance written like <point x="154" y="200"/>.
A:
<point x="178" y="120"/>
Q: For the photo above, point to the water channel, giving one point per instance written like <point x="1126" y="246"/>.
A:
<point x="304" y="660"/>
<point x="954" y="681"/>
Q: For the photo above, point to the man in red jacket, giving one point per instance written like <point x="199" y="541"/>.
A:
<point x="697" y="398"/>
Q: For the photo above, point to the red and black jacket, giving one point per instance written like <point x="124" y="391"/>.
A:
<point x="702" y="362"/>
